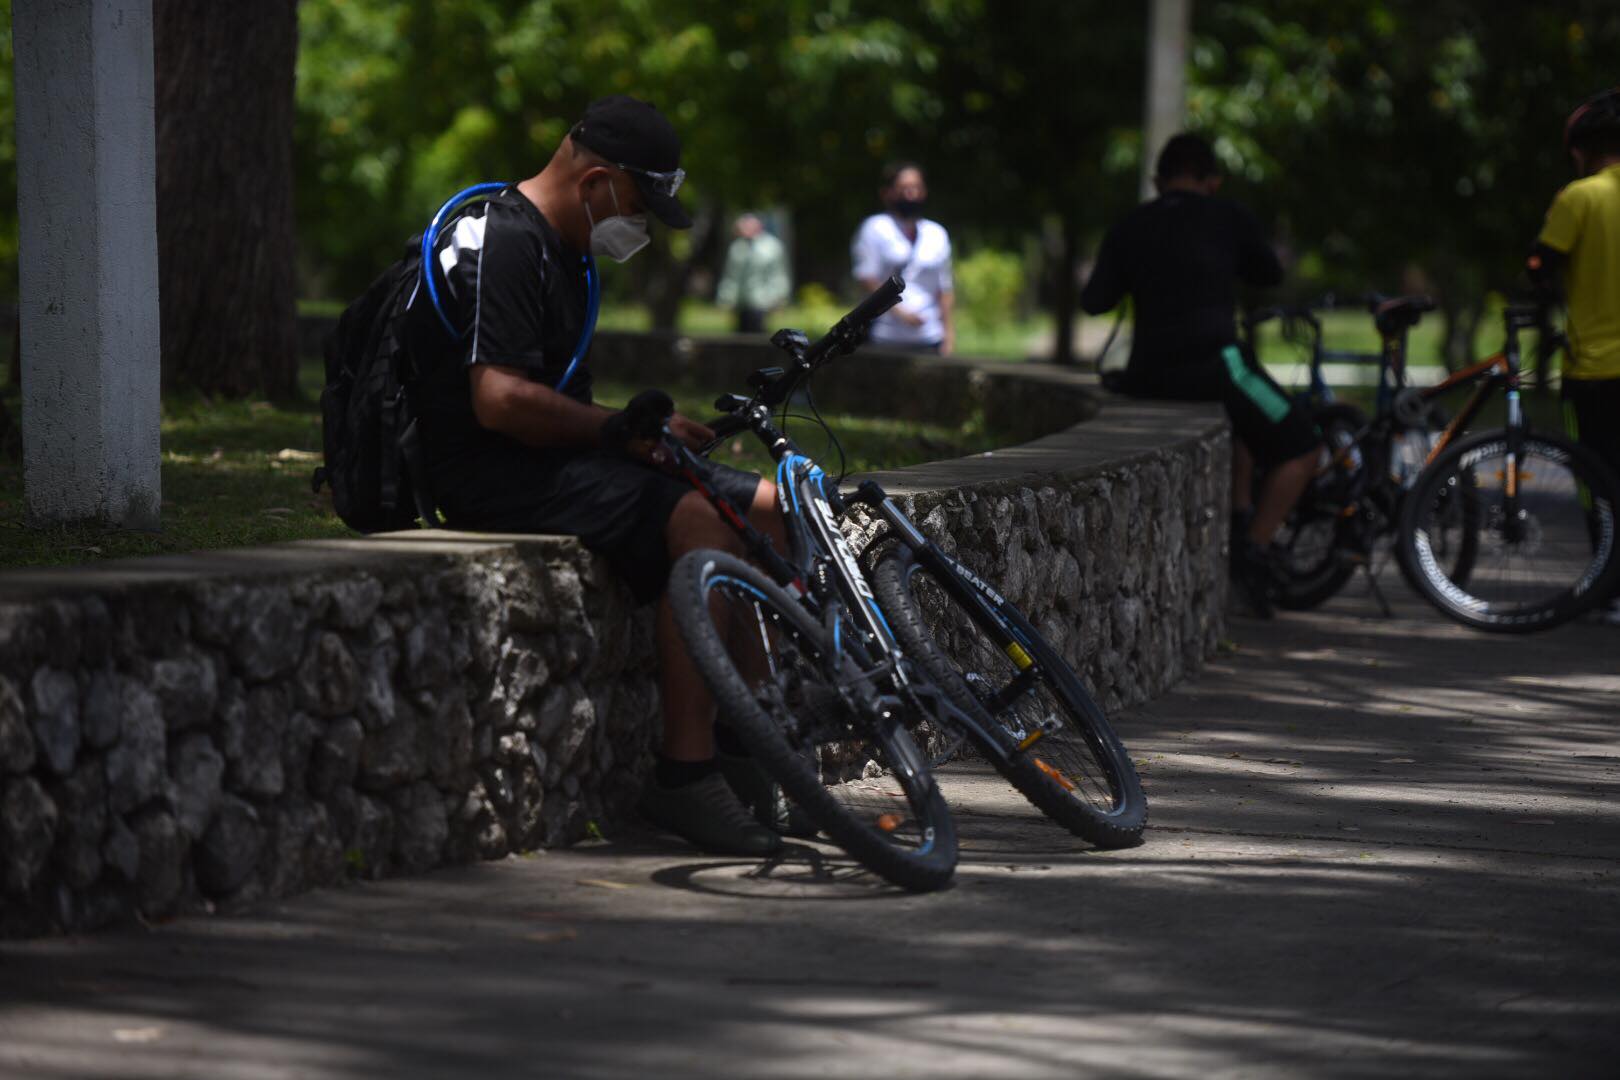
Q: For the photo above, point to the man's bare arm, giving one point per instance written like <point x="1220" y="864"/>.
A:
<point x="504" y="400"/>
<point x="532" y="413"/>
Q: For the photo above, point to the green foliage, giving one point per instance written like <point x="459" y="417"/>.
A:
<point x="988" y="285"/>
<point x="817" y="308"/>
<point x="1378" y="136"/>
<point x="1390" y="136"/>
<point x="402" y="103"/>
<point x="1039" y="110"/>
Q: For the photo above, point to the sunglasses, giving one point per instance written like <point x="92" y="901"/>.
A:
<point x="664" y="183"/>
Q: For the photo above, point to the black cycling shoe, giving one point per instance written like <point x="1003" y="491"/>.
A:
<point x="706" y="813"/>
<point x="762" y="795"/>
<point x="1255" y="576"/>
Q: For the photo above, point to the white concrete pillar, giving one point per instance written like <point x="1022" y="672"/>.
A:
<point x="1165" y="96"/>
<point x="87" y="261"/>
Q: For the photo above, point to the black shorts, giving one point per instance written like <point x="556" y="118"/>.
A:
<point x="1273" y="426"/>
<point x="615" y="505"/>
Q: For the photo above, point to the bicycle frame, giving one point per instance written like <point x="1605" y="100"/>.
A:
<point x="1498" y="371"/>
<point x="820" y="569"/>
<point x="1015" y="638"/>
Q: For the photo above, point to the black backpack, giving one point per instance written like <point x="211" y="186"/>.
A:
<point x="373" y="456"/>
<point x="369" y="437"/>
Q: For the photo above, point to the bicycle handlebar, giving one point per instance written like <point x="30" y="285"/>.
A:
<point x="846" y="332"/>
<point x="774" y="386"/>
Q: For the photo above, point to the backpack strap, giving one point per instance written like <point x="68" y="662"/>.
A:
<point x="430" y="239"/>
<point x="410" y="450"/>
<point x="593" y="290"/>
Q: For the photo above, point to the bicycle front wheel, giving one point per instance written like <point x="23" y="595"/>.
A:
<point x="800" y="710"/>
<point x="1541" y="532"/>
<point x="1055" y="744"/>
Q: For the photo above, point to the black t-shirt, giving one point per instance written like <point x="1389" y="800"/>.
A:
<point x="1180" y="258"/>
<point x="517" y="295"/>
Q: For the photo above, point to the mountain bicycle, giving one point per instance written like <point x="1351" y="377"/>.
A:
<point x="795" y="647"/>
<point x="1487" y="537"/>
<point x="821" y="587"/>
<point x="1540" y="507"/>
<point x="1346" y="516"/>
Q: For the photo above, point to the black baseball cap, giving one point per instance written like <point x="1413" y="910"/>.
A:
<point x="637" y="138"/>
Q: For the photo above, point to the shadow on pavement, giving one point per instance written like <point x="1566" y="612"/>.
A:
<point x="1377" y="847"/>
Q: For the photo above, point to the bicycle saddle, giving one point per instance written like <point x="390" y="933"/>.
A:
<point x="1397" y="313"/>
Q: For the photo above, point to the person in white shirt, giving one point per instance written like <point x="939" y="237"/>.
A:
<point x="900" y="240"/>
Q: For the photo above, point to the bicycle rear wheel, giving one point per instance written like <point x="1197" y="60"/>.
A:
<point x="859" y="775"/>
<point x="1530" y="568"/>
<point x="1055" y="744"/>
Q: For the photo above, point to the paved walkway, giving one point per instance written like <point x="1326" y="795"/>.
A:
<point x="1379" y="848"/>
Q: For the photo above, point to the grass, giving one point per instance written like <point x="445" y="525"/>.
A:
<point x="237" y="473"/>
<point x="232" y="473"/>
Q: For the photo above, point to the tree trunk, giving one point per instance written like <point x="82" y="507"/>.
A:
<point x="10" y="435"/>
<point x="667" y="277"/>
<point x="1064" y="294"/>
<point x="224" y="74"/>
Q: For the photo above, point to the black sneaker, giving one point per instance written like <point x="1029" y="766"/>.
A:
<point x="763" y="796"/>
<point x="706" y="813"/>
<point x="1255" y="577"/>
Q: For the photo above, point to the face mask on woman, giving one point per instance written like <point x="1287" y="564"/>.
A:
<point x="620" y="236"/>
<point x="909" y="208"/>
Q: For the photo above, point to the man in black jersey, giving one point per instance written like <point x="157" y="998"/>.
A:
<point x="514" y="444"/>
<point x="1180" y="258"/>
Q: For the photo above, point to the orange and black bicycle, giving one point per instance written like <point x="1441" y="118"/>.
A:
<point x="1506" y="529"/>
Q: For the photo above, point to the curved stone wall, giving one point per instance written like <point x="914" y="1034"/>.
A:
<point x="203" y="731"/>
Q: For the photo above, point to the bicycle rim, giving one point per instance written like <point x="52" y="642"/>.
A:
<point x="859" y="778"/>
<point x="1527" y="567"/>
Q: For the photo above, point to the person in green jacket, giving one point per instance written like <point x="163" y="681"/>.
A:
<point x="755" y="278"/>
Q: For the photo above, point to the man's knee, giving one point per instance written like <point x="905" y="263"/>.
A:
<point x="695" y="523"/>
<point x="764" y="514"/>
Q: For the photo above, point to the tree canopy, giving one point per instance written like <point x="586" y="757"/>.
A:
<point x="1389" y="142"/>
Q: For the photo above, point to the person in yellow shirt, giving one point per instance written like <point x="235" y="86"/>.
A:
<point x="1579" y="249"/>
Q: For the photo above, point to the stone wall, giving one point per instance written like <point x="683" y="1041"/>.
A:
<point x="188" y="732"/>
<point x="209" y="731"/>
<point x="1108" y="536"/>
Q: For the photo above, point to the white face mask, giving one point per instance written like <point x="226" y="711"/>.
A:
<point x="619" y="236"/>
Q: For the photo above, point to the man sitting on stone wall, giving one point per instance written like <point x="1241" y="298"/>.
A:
<point x="1180" y="258"/>
<point x="514" y="444"/>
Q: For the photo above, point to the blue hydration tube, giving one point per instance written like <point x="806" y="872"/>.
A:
<point x="430" y="238"/>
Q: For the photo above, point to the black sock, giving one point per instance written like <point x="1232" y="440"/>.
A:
<point x="728" y="743"/>
<point x="671" y="773"/>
